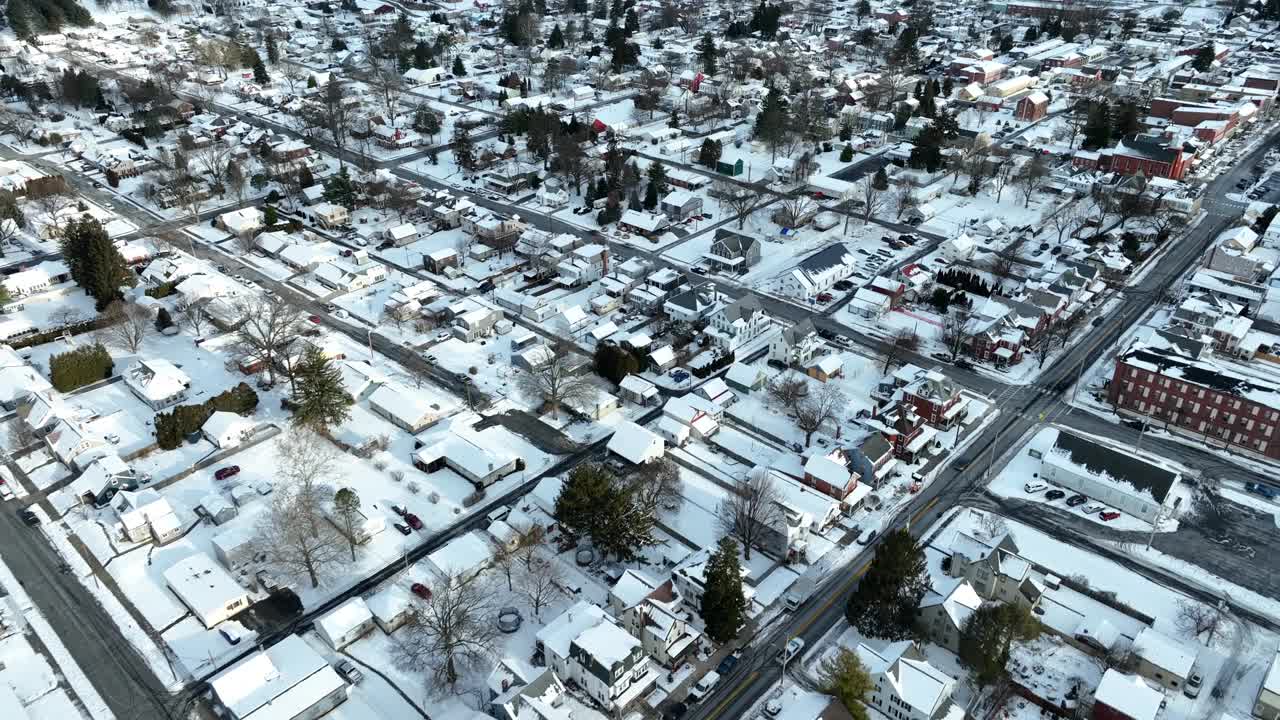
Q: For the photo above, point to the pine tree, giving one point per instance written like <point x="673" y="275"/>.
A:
<point x="846" y="153"/>
<point x="885" y="602"/>
<point x="320" y="399"/>
<point x="421" y="55"/>
<point x="988" y="634"/>
<point x="463" y="150"/>
<point x="927" y="106"/>
<point x="650" y="196"/>
<point x="1204" y="58"/>
<point x="772" y="122"/>
<point x="93" y="261"/>
<point x="709" y="153"/>
<point x="707" y="49"/>
<point x="273" y="52"/>
<point x="556" y="40"/>
<point x="583" y="492"/>
<point x="724" y="606"/>
<point x="260" y="73"/>
<point x="340" y="190"/>
<point x="880" y="181"/>
<point x="459" y="70"/>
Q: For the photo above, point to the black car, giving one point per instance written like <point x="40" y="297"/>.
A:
<point x="727" y="664"/>
<point x="963" y="364"/>
<point x="1075" y="500"/>
<point x="1054" y="495"/>
<point x="29" y="516"/>
<point x="843" y="285"/>
<point x="404" y="529"/>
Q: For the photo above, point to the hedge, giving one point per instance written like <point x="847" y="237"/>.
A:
<point x="721" y="362"/>
<point x="173" y="426"/>
<point x="82" y="366"/>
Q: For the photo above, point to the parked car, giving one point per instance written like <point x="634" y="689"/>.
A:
<point x="675" y="712"/>
<point x="414" y="521"/>
<point x="404" y="529"/>
<point x="727" y="664"/>
<point x="399" y="510"/>
<point x="704" y="686"/>
<point x="421" y="591"/>
<point x="443" y="335"/>
<point x="226" y="472"/>
<point x="791" y="649"/>
<point x="1093" y="508"/>
<point x="825" y="297"/>
<point x="866" y="539"/>
<point x="1054" y="495"/>
<point x="350" y="672"/>
<point x="843" y="285"/>
<point x="1194" y="683"/>
<point x="1034" y="487"/>
<point x="1108" y="515"/>
<point x="963" y="364"/>
<point x="29" y="516"/>
<point x="699" y="271"/>
<point x="315" y="319"/>
<point x="1077" y="499"/>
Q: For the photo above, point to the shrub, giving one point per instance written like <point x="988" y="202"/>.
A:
<point x="80" y="367"/>
<point x="473" y="498"/>
<point x="397" y="475"/>
<point x="413" y="487"/>
<point x="173" y="426"/>
<point x="434" y="497"/>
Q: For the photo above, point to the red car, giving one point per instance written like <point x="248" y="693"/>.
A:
<point x="1108" y="515"/>
<point x="824" y="297"/>
<point x="413" y="520"/>
<point x="421" y="591"/>
<point x="226" y="472"/>
<point x="315" y="319"/>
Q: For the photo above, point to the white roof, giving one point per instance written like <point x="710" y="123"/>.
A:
<point x="1164" y="652"/>
<point x="561" y="632"/>
<point x="827" y="470"/>
<point x="1129" y="695"/>
<point x="279" y="683"/>
<point x="634" y="443"/>
<point x="346" y="617"/>
<point x="400" y="232"/>
<point x="389" y="602"/>
<point x="156" y="379"/>
<point x="607" y="643"/>
<point x="638" y="385"/>
<point x="17" y="378"/>
<point x="462" y="555"/>
<point x="203" y="585"/>
<point x="222" y="422"/>
<point x="411" y="405"/>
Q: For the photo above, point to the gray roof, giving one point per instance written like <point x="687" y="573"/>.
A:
<point x="729" y="244"/>
<point x="1124" y="467"/>
<point x="827" y="257"/>
<point x="744" y="307"/>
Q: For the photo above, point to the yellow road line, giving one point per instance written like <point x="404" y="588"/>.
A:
<point x="916" y="518"/>
<point x="831" y="600"/>
<point x="736" y="692"/>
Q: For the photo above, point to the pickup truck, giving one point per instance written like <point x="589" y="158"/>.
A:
<point x="1267" y="491"/>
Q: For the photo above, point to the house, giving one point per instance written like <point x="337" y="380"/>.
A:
<point x="733" y="251"/>
<point x="347" y="274"/>
<point x="1110" y="475"/>
<point x="820" y="271"/>
<point x="436" y="261"/>
<point x="661" y="628"/>
<point x="635" y="444"/>
<point x="942" y="616"/>
<point x="1163" y="659"/>
<point x="587" y="646"/>
<point x="1032" y="107"/>
<point x="18" y="379"/>
<point x="462" y="558"/>
<point x="479" y="456"/>
<point x="1125" y="697"/>
<point x="227" y="429"/>
<point x="795" y="346"/>
<point x="715" y="390"/>
<point x="702" y="421"/>
<point x="330" y="215"/>
<point x="409" y="409"/>
<point x="936" y="399"/>
<point x="636" y="389"/>
<point x="691" y="305"/>
<point x="244" y="220"/>
<point x="826" y="367"/>
<point x="157" y="382"/>
<point x="402" y="234"/>
<point x="958" y="249"/>
<point x="207" y="589"/>
<point x="520" y="691"/>
<point x="1267" y="704"/>
<point x="744" y="378"/>
<point x="288" y="680"/>
<point x="643" y="223"/>
<point x="571" y="320"/>
<point x="476" y="323"/>
<point x="73" y="445"/>
<point x="905" y="686"/>
<point x="102" y="477"/>
<point x="663" y="358"/>
<point x="831" y="473"/>
<point x="994" y="569"/>
<point x="681" y="204"/>
<point x="737" y="323"/>
<point x="145" y="514"/>
<point x="869" y="304"/>
<point x="345" y="624"/>
<point x="391" y="607"/>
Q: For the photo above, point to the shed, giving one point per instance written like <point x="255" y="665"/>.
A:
<point x="227" y="429"/>
<point x="391" y="607"/>
<point x="462" y="556"/>
<point x="347" y="623"/>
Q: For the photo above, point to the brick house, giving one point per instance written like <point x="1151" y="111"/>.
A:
<point x="935" y="399"/>
<point x="1032" y="107"/>
<point x="1150" y="156"/>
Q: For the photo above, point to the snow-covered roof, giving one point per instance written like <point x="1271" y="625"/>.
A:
<point x="389" y="603"/>
<point x="1164" y="652"/>
<point x="279" y="683"/>
<point x="156" y="379"/>
<point x="412" y="406"/>
<point x="17" y="378"/>
<point x="1129" y="695"/>
<point x="345" y="618"/>
<point x="635" y="443"/>
<point x="607" y="643"/>
<point x="463" y="555"/>
<point x="561" y="632"/>
<point x="203" y="585"/>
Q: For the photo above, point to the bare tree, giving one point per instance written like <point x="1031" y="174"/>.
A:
<point x="450" y="634"/>
<point x="335" y="116"/>
<point x="1003" y="173"/>
<point x="955" y="329"/>
<point x="53" y="211"/>
<point x="903" y="200"/>
<point x="872" y="200"/>
<point x="1033" y="177"/>
<point x="386" y="81"/>
<point x="795" y="211"/>
<point x="129" y="325"/>
<point x="268" y="330"/>
<point x="555" y="380"/>
<point x="214" y="160"/>
<point x="305" y="460"/>
<point x="540" y="583"/>
<point x="752" y="510"/>
<point x="515" y="554"/>
<point x="656" y="485"/>
<point x="1067" y="219"/>
<point x="743" y="200"/>
<point x="1199" y="621"/>
<point x="819" y="408"/>
<point x="787" y="391"/>
<point x="190" y="192"/>
<point x="191" y="314"/>
<point x="19" y="434"/>
<point x="285" y="536"/>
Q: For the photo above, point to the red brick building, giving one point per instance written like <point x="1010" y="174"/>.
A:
<point x="935" y="399"/>
<point x="1198" y="398"/>
<point x="1150" y="156"/>
<point x="1032" y="107"/>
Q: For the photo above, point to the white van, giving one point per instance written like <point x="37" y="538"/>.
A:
<point x="1034" y="487"/>
<point x="704" y="686"/>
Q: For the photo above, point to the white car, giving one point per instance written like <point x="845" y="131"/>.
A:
<point x="792" y="649"/>
<point x="341" y="314"/>
<point x="443" y="335"/>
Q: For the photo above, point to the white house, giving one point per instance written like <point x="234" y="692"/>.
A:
<point x="392" y="606"/>
<point x="462" y="557"/>
<point x="157" y="382"/>
<point x="353" y="274"/>
<point x="635" y="444"/>
<point x="958" y="248"/>
<point x="227" y="429"/>
<point x="737" y="323"/>
<point x="589" y="647"/>
<point x="240" y="221"/>
<point x="18" y="379"/>
<point x="795" y="346"/>
<point x="410" y="409"/>
<point x="287" y="681"/>
<point x="345" y="624"/>
<point x="208" y="590"/>
<point x="146" y="514"/>
<point x="820" y="271"/>
<point x="906" y="686"/>
<point x="402" y="234"/>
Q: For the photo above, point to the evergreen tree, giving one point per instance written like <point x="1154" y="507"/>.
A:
<point x="632" y="22"/>
<point x="885" y="602"/>
<point x="657" y="173"/>
<point x="1127" y="121"/>
<point x="707" y="49"/>
<point x="341" y="190"/>
<point x="463" y="150"/>
<point x="927" y="106"/>
<point x="772" y="121"/>
<point x="880" y="181"/>
<point x="1097" y="128"/>
<point x="273" y="52"/>
<point x="93" y="261"/>
<point x="846" y="153"/>
<point x="650" y="196"/>
<point x="459" y="70"/>
<point x="1006" y="44"/>
<point x="724" y="606"/>
<point x="1031" y="35"/>
<point x="163" y="319"/>
<point x="709" y="153"/>
<point x="1205" y="57"/>
<point x="556" y="40"/>
<point x="320" y="399"/>
<point x="260" y="73"/>
<point x="421" y="55"/>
